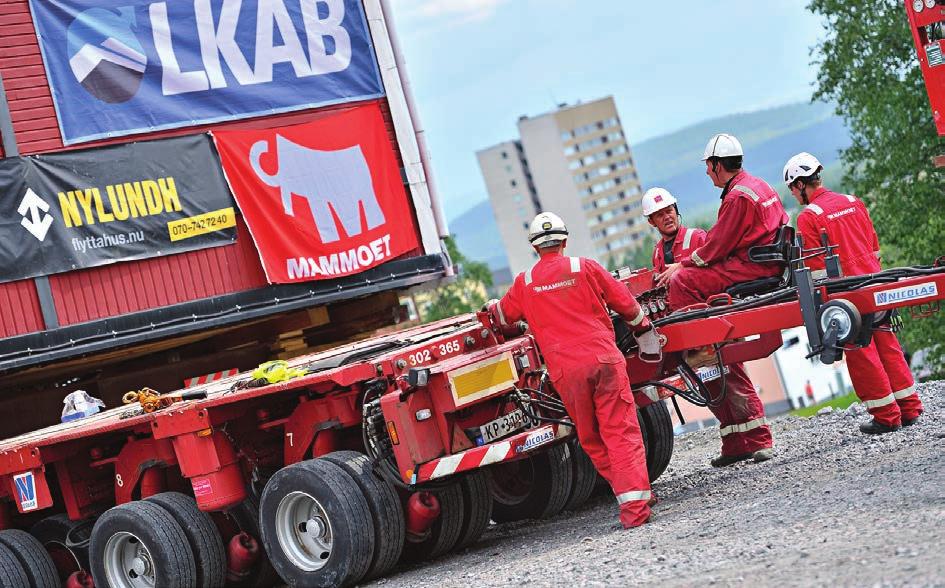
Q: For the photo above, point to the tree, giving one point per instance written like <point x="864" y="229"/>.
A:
<point x="868" y="67"/>
<point x="642" y="256"/>
<point x="466" y="293"/>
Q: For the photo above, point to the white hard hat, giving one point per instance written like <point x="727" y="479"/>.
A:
<point x="801" y="165"/>
<point x="547" y="227"/>
<point x="723" y="145"/>
<point x="656" y="199"/>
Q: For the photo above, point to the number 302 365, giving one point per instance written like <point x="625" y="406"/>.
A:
<point x="425" y="355"/>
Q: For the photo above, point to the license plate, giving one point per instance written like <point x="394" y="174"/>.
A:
<point x="504" y="425"/>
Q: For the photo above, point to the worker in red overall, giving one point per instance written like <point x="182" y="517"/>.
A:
<point x="880" y="374"/>
<point x="662" y="212"/>
<point x="741" y="415"/>
<point x="565" y="301"/>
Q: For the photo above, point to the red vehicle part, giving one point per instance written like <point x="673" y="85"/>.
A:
<point x="422" y="509"/>
<point x="927" y="23"/>
<point x="242" y="553"/>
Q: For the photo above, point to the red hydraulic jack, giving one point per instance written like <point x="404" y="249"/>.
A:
<point x="422" y="509"/>
<point x="242" y="554"/>
<point x="80" y="579"/>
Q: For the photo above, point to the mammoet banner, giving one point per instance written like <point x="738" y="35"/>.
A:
<point x="321" y="199"/>
<point x="117" y="67"/>
<point x="82" y="209"/>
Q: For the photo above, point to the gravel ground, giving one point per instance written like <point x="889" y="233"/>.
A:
<point x="834" y="507"/>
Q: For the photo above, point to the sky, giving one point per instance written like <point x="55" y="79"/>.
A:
<point x="477" y="65"/>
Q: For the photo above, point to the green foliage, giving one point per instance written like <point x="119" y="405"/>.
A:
<point x="868" y="67"/>
<point x="642" y="256"/>
<point x="465" y="294"/>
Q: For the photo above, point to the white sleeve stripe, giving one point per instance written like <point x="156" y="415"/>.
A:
<point x="638" y="319"/>
<point x="687" y="239"/>
<point x="575" y="265"/>
<point x="815" y="209"/>
<point x="696" y="259"/>
<point x="748" y="191"/>
<point x="850" y="198"/>
<point x="528" y="276"/>
<point x="501" y="314"/>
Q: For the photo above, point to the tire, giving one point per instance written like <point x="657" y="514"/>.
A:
<point x="445" y="530"/>
<point x="128" y="528"/>
<point x="66" y="541"/>
<point x="584" y="476"/>
<point x="477" y="508"/>
<point x="534" y="488"/>
<point x="12" y="574"/>
<point x="202" y="536"/>
<point x="386" y="510"/>
<point x="39" y="567"/>
<point x="316" y="525"/>
<point x="659" y="439"/>
<point x="245" y="516"/>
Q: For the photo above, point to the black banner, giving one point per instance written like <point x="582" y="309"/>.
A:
<point x="81" y="209"/>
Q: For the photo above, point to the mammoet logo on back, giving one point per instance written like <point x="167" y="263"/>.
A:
<point x="916" y="292"/>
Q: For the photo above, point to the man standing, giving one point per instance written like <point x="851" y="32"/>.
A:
<point x="741" y="413"/>
<point x="565" y="301"/>
<point x="880" y="374"/>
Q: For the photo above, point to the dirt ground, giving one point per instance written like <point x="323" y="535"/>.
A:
<point x="834" y="507"/>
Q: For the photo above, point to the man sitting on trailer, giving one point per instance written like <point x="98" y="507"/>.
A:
<point x="565" y="301"/>
<point x="879" y="371"/>
<point x="750" y="214"/>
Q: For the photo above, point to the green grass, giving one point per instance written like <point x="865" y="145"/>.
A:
<point x="838" y="403"/>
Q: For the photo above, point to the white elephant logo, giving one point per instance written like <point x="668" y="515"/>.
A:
<point x="329" y="180"/>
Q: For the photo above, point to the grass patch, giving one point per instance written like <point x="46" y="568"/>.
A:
<point x="838" y="403"/>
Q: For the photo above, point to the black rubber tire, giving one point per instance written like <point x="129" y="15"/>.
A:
<point x="445" y="531"/>
<point x="659" y="438"/>
<point x="349" y="517"/>
<point x="477" y="507"/>
<point x="584" y="477"/>
<point x="386" y="510"/>
<point x="12" y="574"/>
<point x="546" y="478"/>
<point x="157" y="530"/>
<point x="202" y="536"/>
<point x="58" y="533"/>
<point x="38" y="565"/>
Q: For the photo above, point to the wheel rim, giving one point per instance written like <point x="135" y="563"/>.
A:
<point x="128" y="563"/>
<point x="844" y="321"/>
<point x="512" y="482"/>
<point x="304" y="531"/>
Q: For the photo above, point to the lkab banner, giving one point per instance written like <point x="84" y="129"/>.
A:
<point x="321" y="199"/>
<point x="118" y="67"/>
<point x="82" y="209"/>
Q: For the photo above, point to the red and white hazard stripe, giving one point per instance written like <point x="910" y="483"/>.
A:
<point x="206" y="379"/>
<point x="478" y="457"/>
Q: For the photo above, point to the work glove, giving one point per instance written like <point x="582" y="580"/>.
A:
<point x="489" y="304"/>
<point x="651" y="345"/>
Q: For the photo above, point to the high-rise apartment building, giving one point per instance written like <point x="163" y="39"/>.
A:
<point x="574" y="162"/>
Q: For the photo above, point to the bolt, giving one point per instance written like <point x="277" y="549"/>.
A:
<point x="401" y="364"/>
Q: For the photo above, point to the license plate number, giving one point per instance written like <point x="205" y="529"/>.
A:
<point x="504" y="425"/>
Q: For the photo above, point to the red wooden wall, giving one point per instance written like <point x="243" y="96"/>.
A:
<point x="105" y="291"/>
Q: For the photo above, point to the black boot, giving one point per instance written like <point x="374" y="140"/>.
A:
<point x="875" y="428"/>
<point x="910" y="422"/>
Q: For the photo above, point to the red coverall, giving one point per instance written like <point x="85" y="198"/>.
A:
<point x="683" y="243"/>
<point x="750" y="214"/>
<point x="881" y="377"/>
<point x="741" y="417"/>
<point x="565" y="302"/>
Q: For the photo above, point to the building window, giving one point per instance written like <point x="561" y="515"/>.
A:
<point x="517" y="197"/>
<point x="513" y="183"/>
<point x="505" y="155"/>
<point x="566" y="135"/>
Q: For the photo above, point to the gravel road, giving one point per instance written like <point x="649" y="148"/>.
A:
<point x="834" y="507"/>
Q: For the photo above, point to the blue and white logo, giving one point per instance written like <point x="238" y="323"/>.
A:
<point x="117" y="67"/>
<point x="536" y="438"/>
<point x="105" y="56"/>
<point x="906" y="294"/>
<point x="26" y="491"/>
